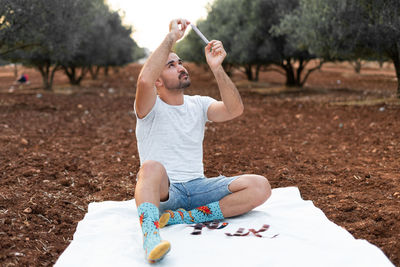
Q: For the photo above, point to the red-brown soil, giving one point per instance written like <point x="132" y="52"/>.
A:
<point x="338" y="140"/>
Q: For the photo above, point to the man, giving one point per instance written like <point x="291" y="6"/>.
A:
<point x="169" y="131"/>
<point x="23" y="79"/>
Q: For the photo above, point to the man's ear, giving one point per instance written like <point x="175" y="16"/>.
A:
<point x="159" y="82"/>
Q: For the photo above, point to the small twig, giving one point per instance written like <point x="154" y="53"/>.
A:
<point x="75" y="205"/>
<point x="30" y="201"/>
<point x="41" y="216"/>
<point x="44" y="246"/>
<point x="51" y="229"/>
<point x="4" y="211"/>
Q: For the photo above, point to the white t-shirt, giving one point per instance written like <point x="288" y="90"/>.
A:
<point x="173" y="136"/>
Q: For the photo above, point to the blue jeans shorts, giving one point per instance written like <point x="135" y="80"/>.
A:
<point x="196" y="193"/>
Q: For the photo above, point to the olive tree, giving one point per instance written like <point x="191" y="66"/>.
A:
<point x="15" y="24"/>
<point x="49" y="36"/>
<point x="246" y="30"/>
<point x="347" y="30"/>
<point x="71" y="35"/>
<point x="107" y="42"/>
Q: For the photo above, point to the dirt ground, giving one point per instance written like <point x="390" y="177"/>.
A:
<point x="338" y="140"/>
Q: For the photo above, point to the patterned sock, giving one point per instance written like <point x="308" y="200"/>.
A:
<point x="205" y="213"/>
<point x="155" y="249"/>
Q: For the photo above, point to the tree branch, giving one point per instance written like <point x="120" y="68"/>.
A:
<point x="321" y="62"/>
<point x="16" y="48"/>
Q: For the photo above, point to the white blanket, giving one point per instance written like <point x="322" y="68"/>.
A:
<point x="110" y="235"/>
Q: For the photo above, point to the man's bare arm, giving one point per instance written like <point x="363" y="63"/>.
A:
<point x="146" y="92"/>
<point x="231" y="105"/>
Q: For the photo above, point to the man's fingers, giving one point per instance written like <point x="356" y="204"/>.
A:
<point x="217" y="50"/>
<point x="184" y="23"/>
<point x="214" y="44"/>
<point x="178" y="27"/>
<point x="215" y="47"/>
<point x="180" y="22"/>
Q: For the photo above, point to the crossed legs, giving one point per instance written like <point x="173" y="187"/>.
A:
<point x="248" y="191"/>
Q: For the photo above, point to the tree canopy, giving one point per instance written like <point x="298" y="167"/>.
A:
<point x="58" y="34"/>
<point x="290" y="33"/>
<point x="347" y="30"/>
<point x="244" y="27"/>
<point x="282" y="35"/>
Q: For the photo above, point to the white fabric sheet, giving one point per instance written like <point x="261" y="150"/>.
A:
<point x="110" y="235"/>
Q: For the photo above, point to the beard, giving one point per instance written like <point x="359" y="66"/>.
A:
<point x="182" y="83"/>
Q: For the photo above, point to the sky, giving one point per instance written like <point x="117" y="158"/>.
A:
<point x="150" y="18"/>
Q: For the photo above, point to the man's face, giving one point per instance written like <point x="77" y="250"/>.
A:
<point x="174" y="75"/>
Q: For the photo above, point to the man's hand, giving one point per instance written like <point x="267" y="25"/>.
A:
<point x="177" y="28"/>
<point x="215" y="54"/>
<point x="231" y="105"/>
<point x="146" y="93"/>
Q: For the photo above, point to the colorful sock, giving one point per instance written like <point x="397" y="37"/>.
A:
<point x="155" y="249"/>
<point x="201" y="214"/>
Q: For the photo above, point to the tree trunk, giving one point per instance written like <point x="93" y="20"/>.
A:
<point x="309" y="71"/>
<point x="16" y="71"/>
<point x="52" y="75"/>
<point x="106" y="71"/>
<point x="398" y="85"/>
<point x="356" y="65"/>
<point x="248" y="71"/>
<point x="94" y="72"/>
<point x="257" y="75"/>
<point x="290" y="77"/>
<point x="46" y="84"/>
<point x="72" y="73"/>
<point x="45" y="71"/>
<point x="302" y="65"/>
<point x="293" y="76"/>
<point x="396" y="61"/>
<point x="84" y="70"/>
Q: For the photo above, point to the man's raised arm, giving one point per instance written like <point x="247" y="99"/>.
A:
<point x="146" y="92"/>
<point x="231" y="105"/>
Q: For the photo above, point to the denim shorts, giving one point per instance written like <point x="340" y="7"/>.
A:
<point x="196" y="193"/>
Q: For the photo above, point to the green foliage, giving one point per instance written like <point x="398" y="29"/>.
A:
<point x="70" y="34"/>
<point x="107" y="43"/>
<point x="346" y="29"/>
<point x="3" y="62"/>
<point x="191" y="48"/>
<point x="244" y="27"/>
<point x="14" y="26"/>
<point x="318" y="25"/>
